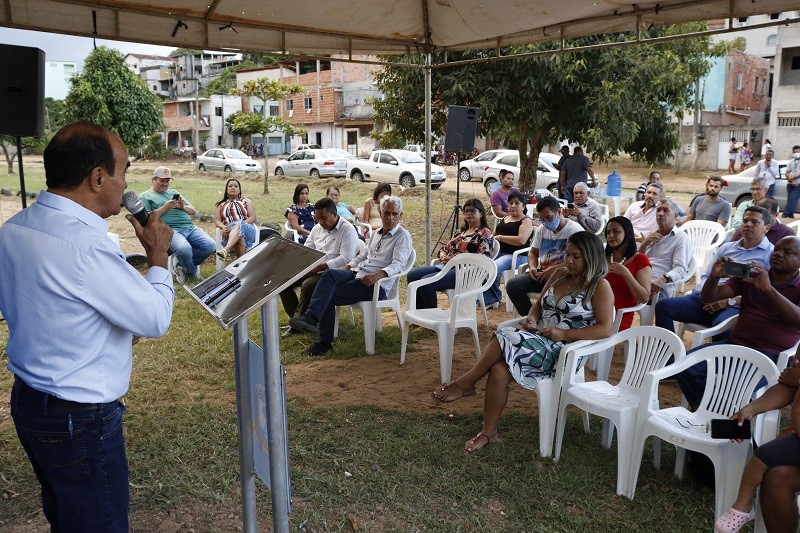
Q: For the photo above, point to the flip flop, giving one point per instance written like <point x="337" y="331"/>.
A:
<point x="470" y="392"/>
<point x="471" y="445"/>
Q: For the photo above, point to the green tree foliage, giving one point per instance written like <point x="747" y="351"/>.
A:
<point x="609" y="100"/>
<point x="178" y="52"/>
<point x="249" y="123"/>
<point x="109" y="94"/>
<point x="226" y="81"/>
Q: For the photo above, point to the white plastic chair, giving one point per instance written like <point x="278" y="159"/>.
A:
<point x="513" y="271"/>
<point x="293" y="233"/>
<point x="706" y="236"/>
<point x="703" y="333"/>
<point x="795" y="226"/>
<point x="548" y="393"/>
<point x="371" y="309"/>
<point x="480" y="302"/>
<point x="474" y="274"/>
<point x="646" y="348"/>
<point x="601" y="361"/>
<point x="734" y="372"/>
<point x="363" y="229"/>
<point x="606" y="216"/>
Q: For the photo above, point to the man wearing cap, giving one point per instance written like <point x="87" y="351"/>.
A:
<point x="564" y="155"/>
<point x="190" y="244"/>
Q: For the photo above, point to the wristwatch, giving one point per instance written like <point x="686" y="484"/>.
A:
<point x="731" y="302"/>
<point x="666" y="277"/>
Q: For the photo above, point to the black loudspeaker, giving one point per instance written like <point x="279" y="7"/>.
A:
<point x="462" y="123"/>
<point x="22" y="91"/>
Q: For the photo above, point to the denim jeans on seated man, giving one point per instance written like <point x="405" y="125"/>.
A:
<point x="689" y="309"/>
<point x="191" y="247"/>
<point x="503" y="261"/>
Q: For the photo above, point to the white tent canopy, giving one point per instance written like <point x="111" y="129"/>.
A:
<point x="305" y="27"/>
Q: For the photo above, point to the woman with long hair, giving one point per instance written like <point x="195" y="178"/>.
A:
<point x="629" y="272"/>
<point x="513" y="232"/>
<point x="301" y="214"/>
<point x="372" y="207"/>
<point x="576" y="304"/>
<point x="235" y="216"/>
<point x="474" y="236"/>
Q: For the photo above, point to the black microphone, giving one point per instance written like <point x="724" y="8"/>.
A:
<point x="135" y="206"/>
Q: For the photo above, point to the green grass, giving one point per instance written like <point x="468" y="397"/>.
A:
<point x="407" y="469"/>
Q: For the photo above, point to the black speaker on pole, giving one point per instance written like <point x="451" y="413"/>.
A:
<point x="22" y="91"/>
<point x="462" y="124"/>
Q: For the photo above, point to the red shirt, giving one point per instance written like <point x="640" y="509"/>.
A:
<point x="623" y="297"/>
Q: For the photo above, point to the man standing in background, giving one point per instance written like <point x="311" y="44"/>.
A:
<point x="574" y="169"/>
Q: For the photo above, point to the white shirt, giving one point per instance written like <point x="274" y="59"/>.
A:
<point x="643" y="223"/>
<point x="767" y="171"/>
<point x="388" y="252"/>
<point x="73" y="304"/>
<point x="339" y="244"/>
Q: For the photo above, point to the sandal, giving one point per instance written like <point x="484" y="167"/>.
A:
<point x="462" y="393"/>
<point x="733" y="520"/>
<point x="222" y="253"/>
<point x="482" y="439"/>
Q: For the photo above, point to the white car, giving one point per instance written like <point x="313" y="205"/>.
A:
<point x="325" y="163"/>
<point x="546" y="175"/>
<point x="419" y="149"/>
<point x="227" y="160"/>
<point x="394" y="166"/>
<point x="475" y="167"/>
<point x="308" y="147"/>
<point x="736" y="187"/>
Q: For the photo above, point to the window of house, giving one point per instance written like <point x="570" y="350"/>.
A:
<point x="742" y="21"/>
<point x="775" y="16"/>
<point x="739" y="81"/>
<point x="219" y="140"/>
<point x="307" y="103"/>
<point x="258" y="108"/>
<point x="274" y="111"/>
<point x="218" y="111"/>
<point x="289" y="105"/>
<point x="755" y="86"/>
<point x="796" y="63"/>
<point x="772" y="40"/>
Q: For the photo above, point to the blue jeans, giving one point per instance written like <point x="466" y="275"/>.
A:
<point x="191" y="247"/>
<point x="689" y="308"/>
<point x="336" y="287"/>
<point x="517" y="290"/>
<point x="503" y="262"/>
<point x="692" y="381"/>
<point x="246" y="230"/>
<point x="426" y="295"/>
<point x="770" y="190"/>
<point x="793" y="195"/>
<point x="78" y="457"/>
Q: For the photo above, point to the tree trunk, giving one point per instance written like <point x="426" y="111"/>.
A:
<point x="528" y="163"/>
<point x="9" y="159"/>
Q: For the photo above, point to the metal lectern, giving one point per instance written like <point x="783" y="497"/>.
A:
<point x="251" y="282"/>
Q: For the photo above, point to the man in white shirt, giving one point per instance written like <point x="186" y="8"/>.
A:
<point x="669" y="251"/>
<point x="584" y="210"/>
<point x="643" y="214"/>
<point x="768" y="169"/>
<point x="386" y="254"/>
<point x="337" y="239"/>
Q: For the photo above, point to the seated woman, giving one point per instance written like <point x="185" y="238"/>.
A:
<point x="372" y="207"/>
<point x="513" y="232"/>
<point x="235" y="216"/>
<point x="301" y="214"/>
<point x="347" y="212"/>
<point x="783" y="451"/>
<point x="629" y="272"/>
<point x="473" y="237"/>
<point x="576" y="304"/>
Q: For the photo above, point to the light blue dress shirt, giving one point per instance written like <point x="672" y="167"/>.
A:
<point x="72" y="302"/>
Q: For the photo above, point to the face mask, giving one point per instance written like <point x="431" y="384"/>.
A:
<point x="796" y="155"/>
<point x="553" y="224"/>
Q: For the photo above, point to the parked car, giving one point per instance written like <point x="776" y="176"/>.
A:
<point x="475" y="167"/>
<point x="546" y="176"/>
<point x="550" y="159"/>
<point x="394" y="166"/>
<point x="324" y="163"/>
<point x="419" y="149"/>
<point x="736" y="187"/>
<point x="227" y="160"/>
<point x="308" y="147"/>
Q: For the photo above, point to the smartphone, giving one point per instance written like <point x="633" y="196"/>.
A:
<point x="570" y="206"/>
<point x="726" y="428"/>
<point x="176" y="196"/>
<point x="739" y="270"/>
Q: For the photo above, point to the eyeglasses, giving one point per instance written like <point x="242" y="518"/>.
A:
<point x="470" y="211"/>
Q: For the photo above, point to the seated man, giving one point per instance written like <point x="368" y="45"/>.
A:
<point x="669" y="250"/>
<point x="654" y="177"/>
<point x="753" y="247"/>
<point x="643" y="215"/>
<point x="548" y="249"/>
<point x="777" y="230"/>
<point x="334" y="236"/>
<point x="499" y="199"/>
<point x="585" y="211"/>
<point x="709" y="206"/>
<point x="769" y="319"/>
<point x="386" y="254"/>
<point x="190" y="244"/>
<point x="758" y="190"/>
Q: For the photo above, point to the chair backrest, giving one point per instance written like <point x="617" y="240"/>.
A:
<point x="474" y="274"/>
<point x="704" y="234"/>
<point x="733" y="374"/>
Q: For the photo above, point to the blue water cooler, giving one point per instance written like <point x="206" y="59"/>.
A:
<point x="614" y="184"/>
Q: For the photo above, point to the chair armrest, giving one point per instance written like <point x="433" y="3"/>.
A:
<point x="583" y="349"/>
<point x="411" y="290"/>
<point x="515" y="257"/>
<point x="621" y="312"/>
<point x="703" y="334"/>
<point x="511" y="322"/>
<point x="783" y="357"/>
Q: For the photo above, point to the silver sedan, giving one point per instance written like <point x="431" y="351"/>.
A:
<point x="317" y="163"/>
<point x="227" y="160"/>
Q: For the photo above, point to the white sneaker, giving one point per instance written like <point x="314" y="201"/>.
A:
<point x="198" y="277"/>
<point x="180" y="275"/>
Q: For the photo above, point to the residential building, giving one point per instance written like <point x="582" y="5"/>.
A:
<point x="195" y="71"/>
<point x="158" y="72"/>
<point x="758" y="41"/>
<point x="180" y="121"/>
<point x="57" y="76"/>
<point x="784" y="124"/>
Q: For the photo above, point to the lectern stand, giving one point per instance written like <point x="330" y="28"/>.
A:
<point x="253" y="282"/>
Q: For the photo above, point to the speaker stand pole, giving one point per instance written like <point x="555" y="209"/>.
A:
<point x="452" y="221"/>
<point x="21" y="174"/>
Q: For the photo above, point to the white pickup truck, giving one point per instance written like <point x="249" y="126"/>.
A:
<point x="394" y="166"/>
<point x="419" y="149"/>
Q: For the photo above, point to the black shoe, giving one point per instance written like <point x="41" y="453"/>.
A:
<point x="304" y="322"/>
<point x="318" y="348"/>
<point x="290" y="331"/>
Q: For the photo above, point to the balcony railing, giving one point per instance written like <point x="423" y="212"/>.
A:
<point x="186" y="123"/>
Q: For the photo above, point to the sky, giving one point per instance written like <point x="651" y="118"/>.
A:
<point x="58" y="47"/>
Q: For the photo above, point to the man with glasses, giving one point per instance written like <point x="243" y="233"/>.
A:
<point x="758" y="190"/>
<point x="777" y="230"/>
<point x="190" y="244"/>
<point x="386" y="254"/>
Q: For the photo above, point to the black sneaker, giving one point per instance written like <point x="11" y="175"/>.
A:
<point x="304" y="322"/>
<point x="318" y="348"/>
<point x="290" y="331"/>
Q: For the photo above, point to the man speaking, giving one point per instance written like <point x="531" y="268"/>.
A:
<point x="74" y="308"/>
